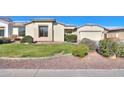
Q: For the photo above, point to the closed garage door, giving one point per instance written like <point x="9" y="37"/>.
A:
<point x="91" y="35"/>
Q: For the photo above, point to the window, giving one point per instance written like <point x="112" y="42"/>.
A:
<point x="21" y="31"/>
<point x="1" y="32"/>
<point x="43" y="31"/>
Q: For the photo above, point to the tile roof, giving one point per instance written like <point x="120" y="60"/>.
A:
<point x="43" y="20"/>
<point x="91" y="24"/>
<point x="67" y="25"/>
<point x="18" y="23"/>
<point x="115" y="28"/>
<point x="6" y="19"/>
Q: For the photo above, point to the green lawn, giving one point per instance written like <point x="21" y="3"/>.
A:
<point x="33" y="50"/>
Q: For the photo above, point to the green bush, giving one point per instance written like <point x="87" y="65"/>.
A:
<point x="27" y="39"/>
<point x="80" y="50"/>
<point x="110" y="47"/>
<point x="120" y="50"/>
<point x="5" y="40"/>
<point x="107" y="47"/>
<point x="71" y="38"/>
<point x="90" y="43"/>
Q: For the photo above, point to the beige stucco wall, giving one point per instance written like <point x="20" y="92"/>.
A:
<point x="58" y="33"/>
<point x="6" y="28"/>
<point x="32" y="29"/>
<point x="91" y="32"/>
<point x="116" y="34"/>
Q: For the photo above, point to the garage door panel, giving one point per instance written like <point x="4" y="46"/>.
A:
<point x="91" y="35"/>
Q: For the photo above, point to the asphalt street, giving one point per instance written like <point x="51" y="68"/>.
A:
<point x="61" y="72"/>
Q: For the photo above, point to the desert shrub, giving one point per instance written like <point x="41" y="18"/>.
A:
<point x="107" y="47"/>
<point x="27" y="39"/>
<point x="4" y="40"/>
<point x="120" y="50"/>
<point x="80" y="50"/>
<point x="71" y="38"/>
<point x="90" y="43"/>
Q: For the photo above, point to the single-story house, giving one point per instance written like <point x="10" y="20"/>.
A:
<point x="9" y="28"/>
<point x="5" y="27"/>
<point x="49" y="30"/>
<point x="97" y="32"/>
<point x="116" y="32"/>
<point x="40" y="29"/>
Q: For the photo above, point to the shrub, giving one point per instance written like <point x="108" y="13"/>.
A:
<point x="120" y="50"/>
<point x="107" y="47"/>
<point x="27" y="39"/>
<point x="80" y="50"/>
<point x="90" y="43"/>
<point x="4" y="40"/>
<point x="71" y="38"/>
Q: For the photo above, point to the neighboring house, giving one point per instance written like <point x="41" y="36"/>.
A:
<point x="9" y="28"/>
<point x="91" y="31"/>
<point x="117" y="32"/>
<point x="5" y="27"/>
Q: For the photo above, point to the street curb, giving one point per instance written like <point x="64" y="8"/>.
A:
<point x="26" y="58"/>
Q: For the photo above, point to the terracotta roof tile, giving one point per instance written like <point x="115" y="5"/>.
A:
<point x="115" y="28"/>
<point x="43" y="20"/>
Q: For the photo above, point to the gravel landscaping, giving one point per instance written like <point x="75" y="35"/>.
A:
<point x="91" y="61"/>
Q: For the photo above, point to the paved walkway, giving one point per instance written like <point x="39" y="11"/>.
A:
<point x="92" y="61"/>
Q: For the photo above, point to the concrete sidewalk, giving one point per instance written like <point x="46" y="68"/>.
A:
<point x="61" y="72"/>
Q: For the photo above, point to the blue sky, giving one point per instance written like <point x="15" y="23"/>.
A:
<point x="79" y="20"/>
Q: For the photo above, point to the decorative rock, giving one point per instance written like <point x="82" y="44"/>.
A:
<point x="113" y="57"/>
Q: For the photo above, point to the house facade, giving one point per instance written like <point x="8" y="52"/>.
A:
<point x="49" y="30"/>
<point x="9" y="28"/>
<point x="117" y="32"/>
<point x="5" y="27"/>
<point x="97" y="32"/>
<point x="42" y="30"/>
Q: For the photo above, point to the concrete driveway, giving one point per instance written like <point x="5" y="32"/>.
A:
<point x="61" y="73"/>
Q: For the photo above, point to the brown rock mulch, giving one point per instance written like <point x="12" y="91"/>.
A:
<point x="91" y="61"/>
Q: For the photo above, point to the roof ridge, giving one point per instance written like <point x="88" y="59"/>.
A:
<point x="66" y="24"/>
